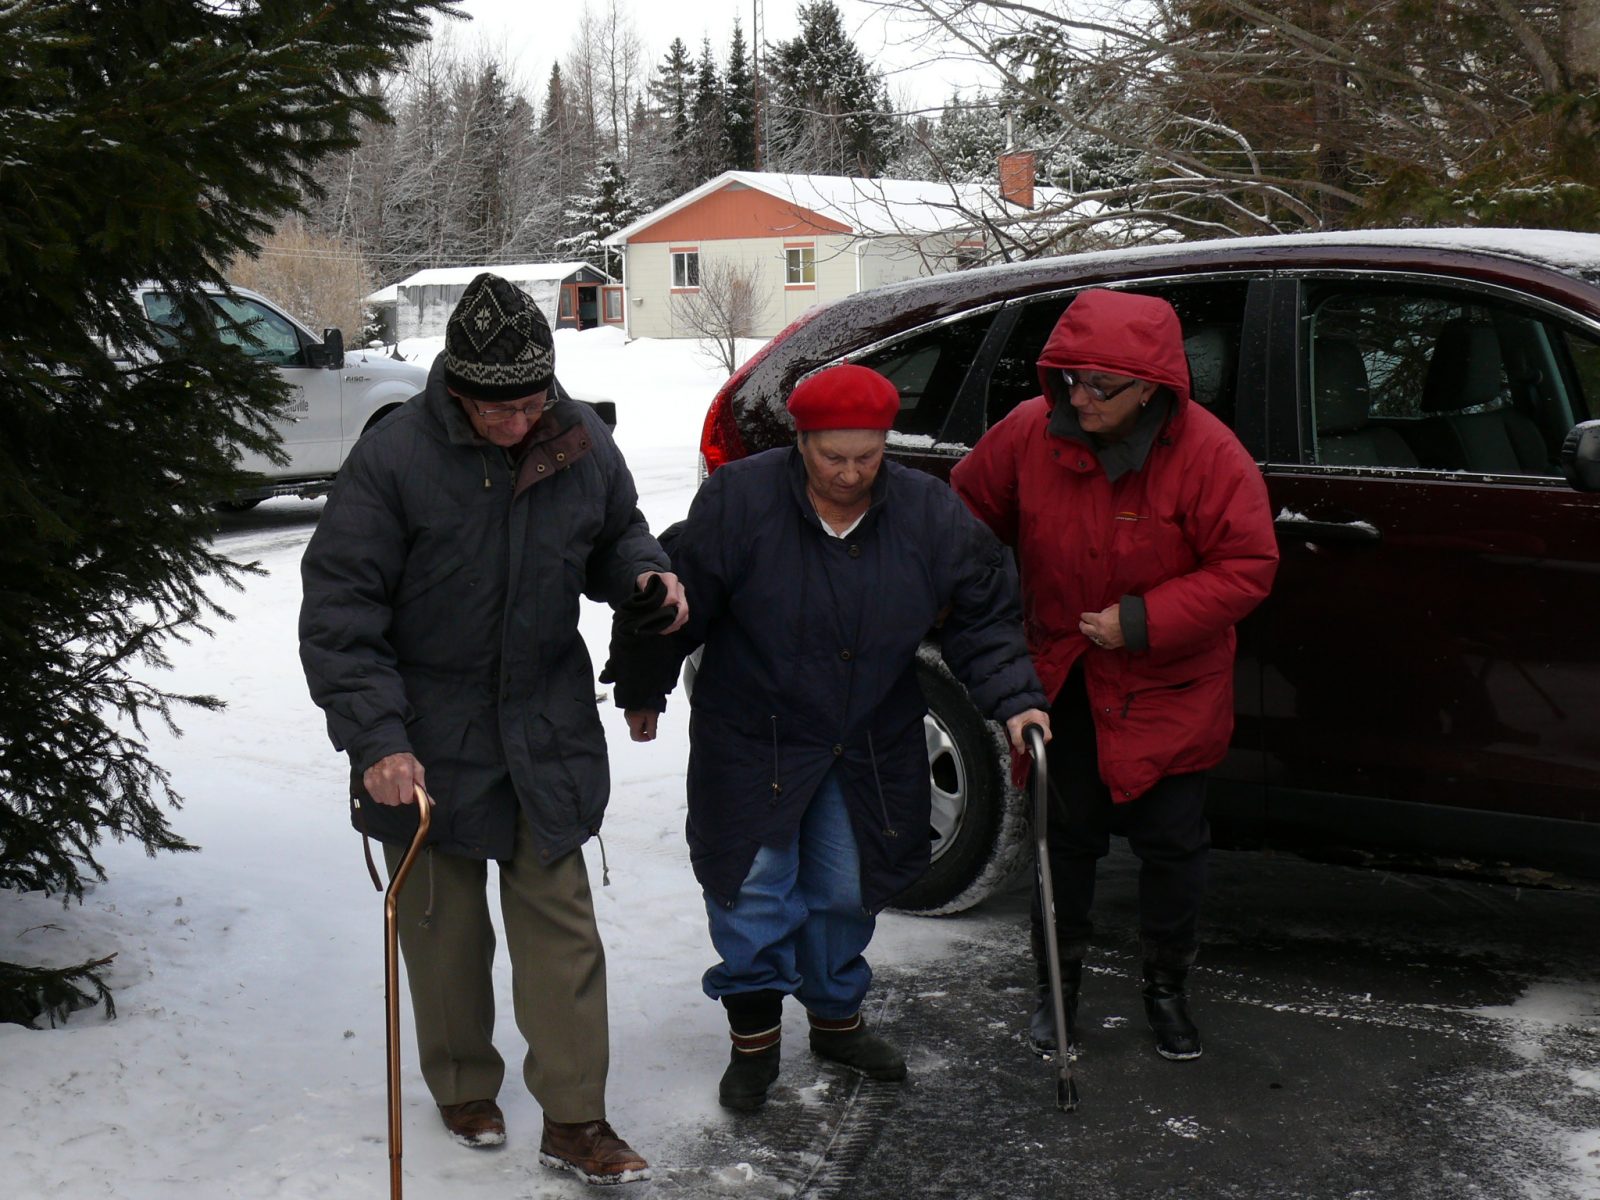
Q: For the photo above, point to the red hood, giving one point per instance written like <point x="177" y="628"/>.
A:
<point x="1120" y="333"/>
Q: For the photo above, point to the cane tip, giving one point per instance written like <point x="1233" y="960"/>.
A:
<point x="1066" y="1095"/>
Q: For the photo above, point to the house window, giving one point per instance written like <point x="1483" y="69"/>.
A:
<point x="686" y="269"/>
<point x="613" y="303"/>
<point x="800" y="266"/>
<point x="969" y="254"/>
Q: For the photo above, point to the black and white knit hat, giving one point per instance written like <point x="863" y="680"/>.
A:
<point x="497" y="344"/>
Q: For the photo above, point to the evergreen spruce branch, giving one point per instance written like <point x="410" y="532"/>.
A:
<point x="27" y="993"/>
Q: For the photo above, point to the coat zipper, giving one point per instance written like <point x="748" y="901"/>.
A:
<point x="777" y="788"/>
<point x="883" y="804"/>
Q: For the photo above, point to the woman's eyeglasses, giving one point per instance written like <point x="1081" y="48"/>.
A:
<point x="1099" y="395"/>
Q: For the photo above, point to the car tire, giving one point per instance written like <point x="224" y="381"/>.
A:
<point x="980" y="820"/>
<point x="235" y="506"/>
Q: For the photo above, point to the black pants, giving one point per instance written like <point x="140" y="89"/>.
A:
<point x="1166" y="828"/>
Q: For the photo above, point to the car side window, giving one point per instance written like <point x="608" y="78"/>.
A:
<point x="928" y="368"/>
<point x="1210" y="311"/>
<point x="164" y="318"/>
<point x="1585" y="355"/>
<point x="1416" y="377"/>
<point x="259" y="331"/>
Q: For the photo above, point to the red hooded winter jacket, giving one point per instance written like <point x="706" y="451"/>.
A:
<point x="1190" y="532"/>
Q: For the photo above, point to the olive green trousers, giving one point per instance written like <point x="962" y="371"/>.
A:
<point x="558" y="977"/>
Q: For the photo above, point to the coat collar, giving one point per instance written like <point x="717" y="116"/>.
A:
<point x="1130" y="454"/>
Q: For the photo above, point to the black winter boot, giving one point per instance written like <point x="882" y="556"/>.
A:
<point x="1166" y="1007"/>
<point x="1042" y="1025"/>
<point x="848" y="1042"/>
<point x="755" y="1023"/>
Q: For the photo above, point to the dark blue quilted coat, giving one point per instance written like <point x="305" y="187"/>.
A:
<point x="810" y="652"/>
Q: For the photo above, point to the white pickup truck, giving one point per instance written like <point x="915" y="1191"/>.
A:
<point x="337" y="395"/>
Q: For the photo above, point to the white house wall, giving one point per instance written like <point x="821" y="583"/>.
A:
<point x="654" y="310"/>
<point x="891" y="259"/>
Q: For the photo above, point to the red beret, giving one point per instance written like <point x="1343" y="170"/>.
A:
<point x="844" y="397"/>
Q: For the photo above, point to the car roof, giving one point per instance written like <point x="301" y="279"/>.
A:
<point x="1553" y="261"/>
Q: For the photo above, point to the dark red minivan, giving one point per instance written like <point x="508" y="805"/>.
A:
<point x="1425" y="407"/>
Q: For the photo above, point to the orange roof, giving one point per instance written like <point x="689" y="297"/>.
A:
<point x="737" y="211"/>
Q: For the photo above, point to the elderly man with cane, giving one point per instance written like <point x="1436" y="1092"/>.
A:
<point x="439" y="634"/>
<point x="816" y="572"/>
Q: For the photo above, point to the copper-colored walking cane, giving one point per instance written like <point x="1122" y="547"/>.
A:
<point x="391" y="983"/>
<point x="1066" y="1086"/>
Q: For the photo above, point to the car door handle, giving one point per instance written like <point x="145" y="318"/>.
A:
<point x="1346" y="533"/>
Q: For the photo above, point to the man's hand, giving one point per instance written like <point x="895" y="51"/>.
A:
<point x="1032" y="716"/>
<point x="394" y="780"/>
<point x="675" y="597"/>
<point x="1103" y="628"/>
<point x="641" y="723"/>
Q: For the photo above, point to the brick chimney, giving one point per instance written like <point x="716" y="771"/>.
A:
<point x="1016" y="177"/>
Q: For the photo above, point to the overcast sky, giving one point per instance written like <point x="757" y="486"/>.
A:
<point x="531" y="36"/>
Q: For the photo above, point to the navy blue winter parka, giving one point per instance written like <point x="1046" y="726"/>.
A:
<point x="810" y="660"/>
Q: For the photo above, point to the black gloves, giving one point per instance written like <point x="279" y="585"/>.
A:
<point x="643" y="665"/>
<point x="643" y="613"/>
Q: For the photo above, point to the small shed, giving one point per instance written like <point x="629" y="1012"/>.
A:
<point x="381" y="305"/>
<point x="572" y="295"/>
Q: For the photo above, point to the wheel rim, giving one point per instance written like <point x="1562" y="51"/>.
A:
<point x="949" y="777"/>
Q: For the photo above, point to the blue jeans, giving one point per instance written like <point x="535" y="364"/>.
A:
<point x="797" y="925"/>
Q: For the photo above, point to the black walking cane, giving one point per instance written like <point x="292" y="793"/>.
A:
<point x="1066" y="1087"/>
<point x="391" y="983"/>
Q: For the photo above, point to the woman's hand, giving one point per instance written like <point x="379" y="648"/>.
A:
<point x="1103" y="628"/>
<point x="675" y="599"/>
<point x="1032" y="716"/>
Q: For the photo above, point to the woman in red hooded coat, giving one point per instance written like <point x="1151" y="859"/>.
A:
<point x="1143" y="535"/>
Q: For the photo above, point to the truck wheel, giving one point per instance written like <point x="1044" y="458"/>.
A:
<point x="236" y="505"/>
<point x="979" y="823"/>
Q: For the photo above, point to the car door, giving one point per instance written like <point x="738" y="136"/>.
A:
<point x="1223" y="319"/>
<point x="1428" y="673"/>
<point x="312" y="428"/>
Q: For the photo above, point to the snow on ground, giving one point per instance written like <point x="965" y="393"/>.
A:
<point x="247" y="1057"/>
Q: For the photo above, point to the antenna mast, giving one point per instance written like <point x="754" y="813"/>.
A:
<point x="757" y="30"/>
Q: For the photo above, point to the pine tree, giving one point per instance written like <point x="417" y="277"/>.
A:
<point x="607" y="205"/>
<point x="481" y="116"/>
<point x="671" y="89"/>
<point x="739" y="105"/>
<point x="559" y="145"/>
<point x="708" y="140"/>
<point x="143" y="141"/>
<point x="827" y="111"/>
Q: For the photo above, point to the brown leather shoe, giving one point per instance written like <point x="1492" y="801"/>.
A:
<point x="475" y="1123"/>
<point x="592" y="1150"/>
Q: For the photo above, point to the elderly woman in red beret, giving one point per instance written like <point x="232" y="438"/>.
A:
<point x="816" y="571"/>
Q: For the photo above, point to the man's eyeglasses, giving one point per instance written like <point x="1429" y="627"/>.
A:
<point x="504" y="412"/>
<point x="1071" y="379"/>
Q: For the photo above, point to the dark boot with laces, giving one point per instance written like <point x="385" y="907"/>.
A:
<point x="755" y="1023"/>
<point x="1166" y="1007"/>
<point x="848" y="1042"/>
<point x="1042" y="1025"/>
